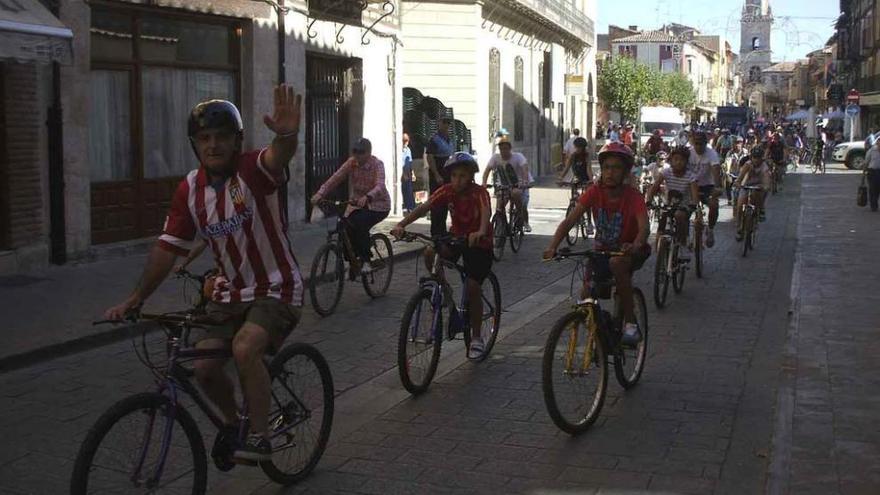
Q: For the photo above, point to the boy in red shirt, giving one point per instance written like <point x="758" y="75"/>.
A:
<point x="621" y="225"/>
<point x="469" y="206"/>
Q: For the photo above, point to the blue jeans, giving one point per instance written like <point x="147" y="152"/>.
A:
<point x="409" y="197"/>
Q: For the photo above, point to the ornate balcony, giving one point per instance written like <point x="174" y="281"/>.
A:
<point x="555" y="15"/>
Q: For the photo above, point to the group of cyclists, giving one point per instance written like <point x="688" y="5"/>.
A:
<point x="234" y="204"/>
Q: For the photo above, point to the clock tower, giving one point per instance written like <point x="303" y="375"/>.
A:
<point x="754" y="51"/>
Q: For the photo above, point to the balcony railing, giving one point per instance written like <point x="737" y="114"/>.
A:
<point x="561" y="13"/>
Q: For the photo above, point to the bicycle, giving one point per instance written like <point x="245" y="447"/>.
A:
<point x="159" y="458"/>
<point x="777" y="176"/>
<point x="599" y="334"/>
<point x="502" y="228"/>
<point x="328" y="267"/>
<point x="669" y="265"/>
<point x="817" y="163"/>
<point x="421" y="328"/>
<point x="749" y="220"/>
<point x="582" y="227"/>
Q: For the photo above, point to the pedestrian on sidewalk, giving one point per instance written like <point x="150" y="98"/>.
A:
<point x="407" y="178"/>
<point x="440" y="148"/>
<point x="872" y="169"/>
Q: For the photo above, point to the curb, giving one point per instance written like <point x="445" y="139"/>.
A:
<point x="112" y="335"/>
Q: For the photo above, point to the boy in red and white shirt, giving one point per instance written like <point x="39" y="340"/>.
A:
<point x="469" y="206"/>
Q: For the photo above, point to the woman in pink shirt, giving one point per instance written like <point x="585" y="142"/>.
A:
<point x="367" y="193"/>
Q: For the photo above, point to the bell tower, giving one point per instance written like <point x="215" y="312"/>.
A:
<point x="756" y="24"/>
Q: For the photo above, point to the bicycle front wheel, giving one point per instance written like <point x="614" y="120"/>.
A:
<point x="516" y="230"/>
<point x="678" y="271"/>
<point x="629" y="362"/>
<point x="661" y="277"/>
<point x="571" y="236"/>
<point x="698" y="249"/>
<point x="748" y="225"/>
<point x="574" y="374"/>
<point x="499" y="232"/>
<point x="419" y="342"/>
<point x="326" y="280"/>
<point x="301" y="412"/>
<point x="377" y="281"/>
<point x="137" y="447"/>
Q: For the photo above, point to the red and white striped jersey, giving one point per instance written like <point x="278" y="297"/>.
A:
<point x="240" y="219"/>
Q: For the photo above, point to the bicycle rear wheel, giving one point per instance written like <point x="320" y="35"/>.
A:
<point x="301" y="412"/>
<point x="748" y="225"/>
<point x="123" y="451"/>
<point x="679" y="271"/>
<point x="419" y="342"/>
<point x="661" y="277"/>
<point x="571" y="236"/>
<point x="574" y="374"/>
<point x="377" y="281"/>
<point x="491" y="294"/>
<point x="326" y="280"/>
<point x="499" y="232"/>
<point x="516" y="229"/>
<point x="629" y="362"/>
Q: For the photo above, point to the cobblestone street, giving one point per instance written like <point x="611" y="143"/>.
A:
<point x="737" y="396"/>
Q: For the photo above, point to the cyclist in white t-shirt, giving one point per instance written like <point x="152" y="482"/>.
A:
<point x="511" y="170"/>
<point x="706" y="165"/>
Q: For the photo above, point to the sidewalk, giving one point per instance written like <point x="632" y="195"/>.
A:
<point x="826" y="438"/>
<point x="50" y="312"/>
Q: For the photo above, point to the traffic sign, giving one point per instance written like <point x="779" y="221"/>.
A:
<point x="852" y="110"/>
<point x="853" y="96"/>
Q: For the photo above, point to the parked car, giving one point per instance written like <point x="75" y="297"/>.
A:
<point x="852" y="154"/>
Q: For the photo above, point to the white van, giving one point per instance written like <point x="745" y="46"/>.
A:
<point x="669" y="119"/>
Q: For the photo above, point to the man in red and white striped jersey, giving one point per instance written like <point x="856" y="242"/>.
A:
<point x="232" y="203"/>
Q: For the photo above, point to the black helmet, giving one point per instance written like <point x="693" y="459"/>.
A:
<point x="461" y="158"/>
<point x="580" y="143"/>
<point x="214" y="114"/>
<point x="757" y="152"/>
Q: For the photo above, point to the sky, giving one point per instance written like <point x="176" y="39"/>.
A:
<point x="801" y="26"/>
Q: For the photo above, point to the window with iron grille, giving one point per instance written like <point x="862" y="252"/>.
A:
<point x="519" y="103"/>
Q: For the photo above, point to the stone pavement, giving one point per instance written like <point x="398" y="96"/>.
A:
<point x="736" y="397"/>
<point x="827" y="435"/>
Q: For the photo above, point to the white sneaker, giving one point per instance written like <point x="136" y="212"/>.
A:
<point x="476" y="349"/>
<point x="631" y="334"/>
<point x="527" y="228"/>
<point x="366" y="268"/>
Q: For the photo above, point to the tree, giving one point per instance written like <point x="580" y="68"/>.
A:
<point x="625" y="85"/>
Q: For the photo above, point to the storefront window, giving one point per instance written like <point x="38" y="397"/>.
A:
<point x="165" y="40"/>
<point x="167" y="150"/>
<point x="110" y="126"/>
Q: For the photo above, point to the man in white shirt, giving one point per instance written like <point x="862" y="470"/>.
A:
<point x="568" y="149"/>
<point x="706" y="165"/>
<point x="511" y="170"/>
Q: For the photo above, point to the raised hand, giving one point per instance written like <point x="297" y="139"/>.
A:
<point x="287" y="111"/>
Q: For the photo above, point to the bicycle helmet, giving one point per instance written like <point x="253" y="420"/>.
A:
<point x="662" y="155"/>
<point x="580" y="143"/>
<point x="461" y="159"/>
<point x="504" y="139"/>
<point x="213" y="114"/>
<point x="620" y="150"/>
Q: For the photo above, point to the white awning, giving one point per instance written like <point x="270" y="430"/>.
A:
<point x="29" y="32"/>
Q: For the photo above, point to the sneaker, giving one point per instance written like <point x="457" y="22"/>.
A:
<point x="476" y="349"/>
<point x="224" y="445"/>
<point x="631" y="334"/>
<point x="366" y="268"/>
<point x="527" y="228"/>
<point x="255" y="449"/>
<point x="710" y="237"/>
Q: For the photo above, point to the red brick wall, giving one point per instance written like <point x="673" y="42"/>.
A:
<point x="21" y="158"/>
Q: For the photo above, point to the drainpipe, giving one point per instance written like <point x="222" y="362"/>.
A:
<point x="282" y="35"/>
<point x="54" y="124"/>
<point x="395" y="148"/>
